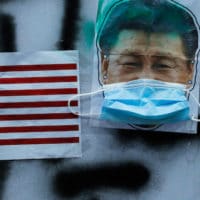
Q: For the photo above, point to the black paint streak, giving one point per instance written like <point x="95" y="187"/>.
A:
<point x="7" y="33"/>
<point x="70" y="25"/>
<point x="155" y="140"/>
<point x="4" y="170"/>
<point x="53" y="162"/>
<point x="4" y="1"/>
<point x="127" y="176"/>
<point x="94" y="197"/>
<point x="7" y="44"/>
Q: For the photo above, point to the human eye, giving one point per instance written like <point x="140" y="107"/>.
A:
<point x="130" y="61"/>
<point x="164" y="65"/>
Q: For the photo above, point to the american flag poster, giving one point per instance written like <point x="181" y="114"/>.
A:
<point x="35" y="118"/>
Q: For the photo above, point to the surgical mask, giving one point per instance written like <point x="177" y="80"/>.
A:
<point x="144" y="102"/>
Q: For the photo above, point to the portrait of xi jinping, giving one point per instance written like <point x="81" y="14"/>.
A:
<point x="147" y="52"/>
<point x="147" y="39"/>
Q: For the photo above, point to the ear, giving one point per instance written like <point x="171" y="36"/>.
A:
<point x="104" y="68"/>
<point x="190" y="73"/>
<point x="191" y="66"/>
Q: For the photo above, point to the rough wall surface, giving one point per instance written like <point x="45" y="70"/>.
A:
<point x="116" y="164"/>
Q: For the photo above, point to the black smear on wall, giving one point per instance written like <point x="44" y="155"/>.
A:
<point x="4" y="170"/>
<point x="128" y="176"/>
<point x="155" y="140"/>
<point x="7" y="44"/>
<point x="70" y="25"/>
<point x="168" y="140"/>
<point x="7" y="33"/>
<point x="53" y="162"/>
<point x="4" y="1"/>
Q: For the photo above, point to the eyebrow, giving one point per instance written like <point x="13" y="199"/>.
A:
<point x="127" y="52"/>
<point x="167" y="55"/>
<point x="170" y="58"/>
<point x="129" y="176"/>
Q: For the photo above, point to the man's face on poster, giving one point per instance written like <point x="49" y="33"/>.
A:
<point x="140" y="55"/>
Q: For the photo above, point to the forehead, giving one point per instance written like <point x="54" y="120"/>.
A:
<point x="140" y="42"/>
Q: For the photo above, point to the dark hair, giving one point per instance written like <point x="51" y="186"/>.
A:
<point x="152" y="16"/>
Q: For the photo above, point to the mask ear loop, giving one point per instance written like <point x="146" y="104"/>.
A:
<point x="77" y="97"/>
<point x="140" y="128"/>
<point x="84" y="95"/>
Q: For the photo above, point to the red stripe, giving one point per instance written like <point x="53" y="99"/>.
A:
<point x="38" y="67"/>
<point x="38" y="129"/>
<point x="38" y="80"/>
<point x="38" y="116"/>
<point x="39" y="141"/>
<point x="38" y="104"/>
<point x="38" y="92"/>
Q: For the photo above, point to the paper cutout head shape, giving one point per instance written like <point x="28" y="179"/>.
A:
<point x="153" y="39"/>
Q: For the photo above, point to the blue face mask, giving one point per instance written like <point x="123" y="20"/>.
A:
<point x="145" y="102"/>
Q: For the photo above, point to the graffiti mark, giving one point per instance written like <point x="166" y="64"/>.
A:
<point x="7" y="33"/>
<point x="70" y="25"/>
<point x="126" y="176"/>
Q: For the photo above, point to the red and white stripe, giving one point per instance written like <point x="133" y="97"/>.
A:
<point x="34" y="104"/>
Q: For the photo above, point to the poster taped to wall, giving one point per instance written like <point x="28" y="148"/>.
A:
<point x="146" y="66"/>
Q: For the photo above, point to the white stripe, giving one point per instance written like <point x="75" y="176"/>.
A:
<point x="52" y="122"/>
<point x="39" y="58"/>
<point x="36" y="98"/>
<point x="37" y="110"/>
<point x="48" y="73"/>
<point x="61" y="134"/>
<point x="38" y="86"/>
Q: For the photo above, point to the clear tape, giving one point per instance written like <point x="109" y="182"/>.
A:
<point x="193" y="118"/>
